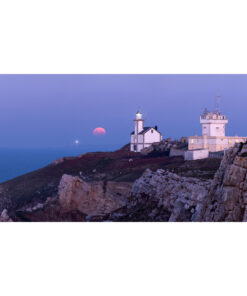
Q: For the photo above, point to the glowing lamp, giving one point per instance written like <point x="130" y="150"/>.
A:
<point x="138" y="115"/>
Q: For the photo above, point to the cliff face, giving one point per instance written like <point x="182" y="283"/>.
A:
<point x="164" y="196"/>
<point x="227" y="199"/>
<point x="181" y="196"/>
<point x="78" y="200"/>
<point x="92" y="186"/>
<point x="159" y="195"/>
<point x="95" y="198"/>
<point x="96" y="188"/>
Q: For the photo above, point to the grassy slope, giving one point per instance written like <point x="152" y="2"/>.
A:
<point x="40" y="184"/>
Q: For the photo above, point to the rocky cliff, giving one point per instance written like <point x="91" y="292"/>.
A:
<point x="165" y="196"/>
<point x="91" y="186"/>
<point x="78" y="200"/>
<point x="95" y="198"/>
<point x="99" y="187"/>
<point x="227" y="199"/>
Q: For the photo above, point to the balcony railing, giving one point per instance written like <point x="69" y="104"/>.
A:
<point x="213" y="117"/>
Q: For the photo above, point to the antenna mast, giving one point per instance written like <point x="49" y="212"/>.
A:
<point x="218" y="98"/>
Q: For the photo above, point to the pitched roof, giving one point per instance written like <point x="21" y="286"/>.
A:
<point x="145" y="129"/>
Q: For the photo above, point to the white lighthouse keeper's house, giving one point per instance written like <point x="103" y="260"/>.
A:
<point x="142" y="137"/>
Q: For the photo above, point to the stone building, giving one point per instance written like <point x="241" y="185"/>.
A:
<point x="196" y="154"/>
<point x="213" y="134"/>
<point x="142" y="137"/>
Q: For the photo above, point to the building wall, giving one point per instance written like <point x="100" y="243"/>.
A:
<point x="218" y="154"/>
<point x="136" y="148"/>
<point x="214" y="127"/>
<point x="139" y="142"/>
<point x="136" y="139"/>
<point x="196" y="154"/>
<point x="214" y="144"/>
<point x="152" y="136"/>
<point x="139" y="124"/>
<point x="176" y="152"/>
<point x="213" y="130"/>
<point x="136" y="143"/>
<point x="205" y="129"/>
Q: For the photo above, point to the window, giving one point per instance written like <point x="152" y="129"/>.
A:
<point x="192" y="141"/>
<point x="152" y="131"/>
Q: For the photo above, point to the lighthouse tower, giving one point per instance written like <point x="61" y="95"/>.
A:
<point x="139" y="123"/>
<point x="142" y="137"/>
<point x="213" y="124"/>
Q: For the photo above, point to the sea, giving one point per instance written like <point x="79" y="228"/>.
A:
<point x="16" y="162"/>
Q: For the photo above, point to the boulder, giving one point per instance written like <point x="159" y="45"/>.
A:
<point x="165" y="196"/>
<point x="164" y="146"/>
<point x="95" y="198"/>
<point x="5" y="217"/>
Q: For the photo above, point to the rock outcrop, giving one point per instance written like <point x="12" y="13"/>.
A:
<point x="158" y="148"/>
<point x="94" y="198"/>
<point x="164" y="196"/>
<point x="49" y="211"/>
<point x="78" y="200"/>
<point x="163" y="147"/>
<point x="227" y="199"/>
<point x="5" y="217"/>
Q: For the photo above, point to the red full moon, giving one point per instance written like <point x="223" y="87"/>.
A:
<point x="99" y="131"/>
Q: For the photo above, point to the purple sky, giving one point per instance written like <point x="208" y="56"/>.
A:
<point x="54" y="110"/>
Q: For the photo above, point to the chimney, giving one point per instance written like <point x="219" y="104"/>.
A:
<point x="156" y="127"/>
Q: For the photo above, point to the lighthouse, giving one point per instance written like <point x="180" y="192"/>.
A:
<point x="213" y="124"/>
<point x="142" y="137"/>
<point x="213" y="136"/>
<point x="138" y="122"/>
